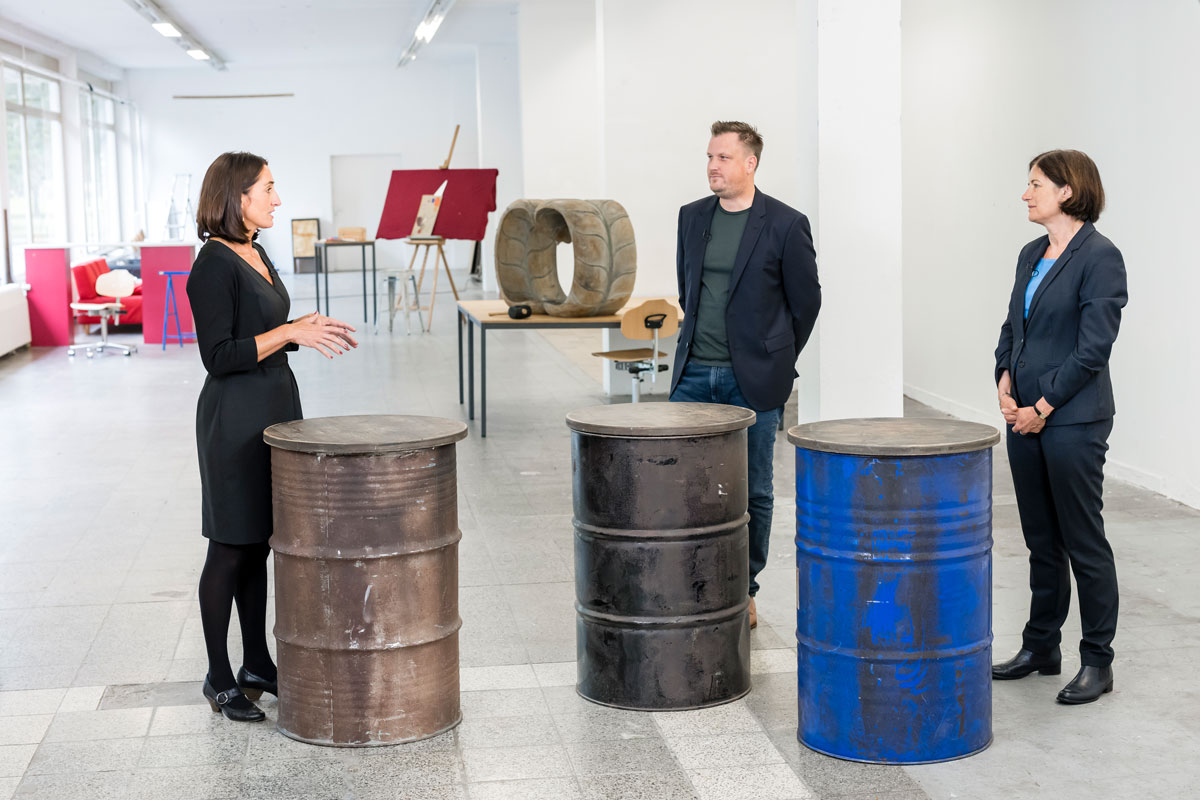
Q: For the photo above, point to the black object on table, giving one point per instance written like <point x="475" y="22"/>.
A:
<point x="485" y="314"/>
<point x="320" y="266"/>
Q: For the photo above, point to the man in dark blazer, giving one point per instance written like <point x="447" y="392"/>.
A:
<point x="750" y="296"/>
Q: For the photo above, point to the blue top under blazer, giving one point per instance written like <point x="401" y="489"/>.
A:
<point x="1061" y="350"/>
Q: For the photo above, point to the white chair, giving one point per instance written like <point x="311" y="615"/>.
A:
<point x="118" y="283"/>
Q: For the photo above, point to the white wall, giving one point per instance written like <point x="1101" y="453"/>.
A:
<point x="986" y="87"/>
<point x="617" y="97"/>
<point x="335" y="111"/>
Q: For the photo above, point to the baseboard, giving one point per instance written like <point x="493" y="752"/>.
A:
<point x="1115" y="468"/>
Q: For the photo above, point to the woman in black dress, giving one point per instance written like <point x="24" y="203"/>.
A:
<point x="240" y="308"/>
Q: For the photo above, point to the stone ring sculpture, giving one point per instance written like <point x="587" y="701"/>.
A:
<point x="605" y="256"/>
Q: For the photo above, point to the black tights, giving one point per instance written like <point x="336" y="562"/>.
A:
<point x="235" y="573"/>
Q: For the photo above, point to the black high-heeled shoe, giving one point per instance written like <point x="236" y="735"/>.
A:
<point x="253" y="686"/>
<point x="232" y="703"/>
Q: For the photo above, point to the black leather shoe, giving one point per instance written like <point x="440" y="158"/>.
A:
<point x="232" y="703"/>
<point x="253" y="686"/>
<point x="1026" y="662"/>
<point x="1087" y="686"/>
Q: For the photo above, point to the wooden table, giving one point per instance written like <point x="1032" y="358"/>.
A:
<point x="477" y="314"/>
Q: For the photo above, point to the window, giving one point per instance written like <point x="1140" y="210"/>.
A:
<point x="102" y="208"/>
<point x="36" y="186"/>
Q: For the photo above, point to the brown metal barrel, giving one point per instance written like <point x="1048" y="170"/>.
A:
<point x="661" y="554"/>
<point x="366" y="578"/>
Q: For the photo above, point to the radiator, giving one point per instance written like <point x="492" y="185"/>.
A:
<point x="14" y="318"/>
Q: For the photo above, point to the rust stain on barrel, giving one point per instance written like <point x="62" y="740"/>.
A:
<point x="366" y="578"/>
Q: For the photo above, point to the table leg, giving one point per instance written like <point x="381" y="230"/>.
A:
<point x="460" y="364"/>
<point x="317" y="274"/>
<point x="363" y="251"/>
<point x="325" y="269"/>
<point x="392" y="305"/>
<point x="470" y="370"/>
<point x="482" y="382"/>
<point x="374" y="286"/>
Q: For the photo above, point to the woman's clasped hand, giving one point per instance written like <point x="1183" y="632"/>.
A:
<point x="326" y="335"/>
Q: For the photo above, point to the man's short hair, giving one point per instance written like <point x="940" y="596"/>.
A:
<point x="746" y="133"/>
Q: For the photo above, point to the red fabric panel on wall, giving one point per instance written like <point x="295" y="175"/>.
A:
<point x="469" y="197"/>
<point x="172" y="258"/>
<point x="49" y="278"/>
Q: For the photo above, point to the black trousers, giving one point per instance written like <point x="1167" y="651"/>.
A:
<point x="1059" y="476"/>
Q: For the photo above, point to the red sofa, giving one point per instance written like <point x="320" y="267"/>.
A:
<point x="85" y="275"/>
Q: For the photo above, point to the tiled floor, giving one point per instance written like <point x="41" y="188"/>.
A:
<point x="101" y="651"/>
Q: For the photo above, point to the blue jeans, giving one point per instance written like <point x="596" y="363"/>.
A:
<point x="701" y="384"/>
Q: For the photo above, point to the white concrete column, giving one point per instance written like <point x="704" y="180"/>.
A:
<point x="858" y="112"/>
<point x="498" y="97"/>
<point x="561" y="103"/>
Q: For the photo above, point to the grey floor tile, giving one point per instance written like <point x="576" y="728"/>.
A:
<point x="600" y="724"/>
<point x="725" y="750"/>
<point x="735" y="717"/>
<point x="94" y="756"/>
<point x="193" y="750"/>
<point x="316" y="779"/>
<point x="616" y="756"/>
<point x="208" y="782"/>
<point x="659" y="785"/>
<point x="30" y="701"/>
<point x="24" y="730"/>
<point x="14" y="758"/>
<point x="75" y="726"/>
<point x="515" y="763"/>
<point x="7" y="787"/>
<point x="749" y="783"/>
<point x="503" y="703"/>
<point x="80" y="786"/>
<point x="529" y="789"/>
<point x="507" y="731"/>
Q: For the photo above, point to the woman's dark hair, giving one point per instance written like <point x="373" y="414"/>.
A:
<point x="219" y="212"/>
<point x="1075" y="169"/>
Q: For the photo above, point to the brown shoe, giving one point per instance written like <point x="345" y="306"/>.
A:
<point x="753" y="614"/>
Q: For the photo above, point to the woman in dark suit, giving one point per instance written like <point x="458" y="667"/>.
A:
<point x="1056" y="395"/>
<point x="240" y="308"/>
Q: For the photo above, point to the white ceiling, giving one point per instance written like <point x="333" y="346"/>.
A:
<point x="258" y="33"/>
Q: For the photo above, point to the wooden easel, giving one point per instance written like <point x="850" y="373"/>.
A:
<point x="429" y="243"/>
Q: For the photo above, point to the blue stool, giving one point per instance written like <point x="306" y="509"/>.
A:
<point x="170" y="309"/>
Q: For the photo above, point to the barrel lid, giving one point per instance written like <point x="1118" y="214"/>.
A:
<point x="364" y="434"/>
<point x="893" y="436"/>
<point x="658" y="420"/>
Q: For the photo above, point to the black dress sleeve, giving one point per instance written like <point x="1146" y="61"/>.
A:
<point x="213" y="294"/>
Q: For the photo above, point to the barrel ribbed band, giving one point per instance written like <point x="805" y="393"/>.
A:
<point x="584" y="530"/>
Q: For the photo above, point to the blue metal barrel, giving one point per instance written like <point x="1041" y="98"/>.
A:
<point x="894" y="588"/>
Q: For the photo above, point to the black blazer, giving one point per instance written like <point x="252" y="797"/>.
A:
<point x="1061" y="352"/>
<point x="774" y="295"/>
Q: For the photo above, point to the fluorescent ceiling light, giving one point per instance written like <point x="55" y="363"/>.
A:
<point x="435" y="14"/>
<point x="184" y="39"/>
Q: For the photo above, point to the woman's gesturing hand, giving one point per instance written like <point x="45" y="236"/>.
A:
<point x="326" y="335"/>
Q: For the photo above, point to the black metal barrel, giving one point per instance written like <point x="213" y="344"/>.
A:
<point x="366" y="578"/>
<point x="661" y="554"/>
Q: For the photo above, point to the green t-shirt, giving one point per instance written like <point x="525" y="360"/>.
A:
<point x="710" y="344"/>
